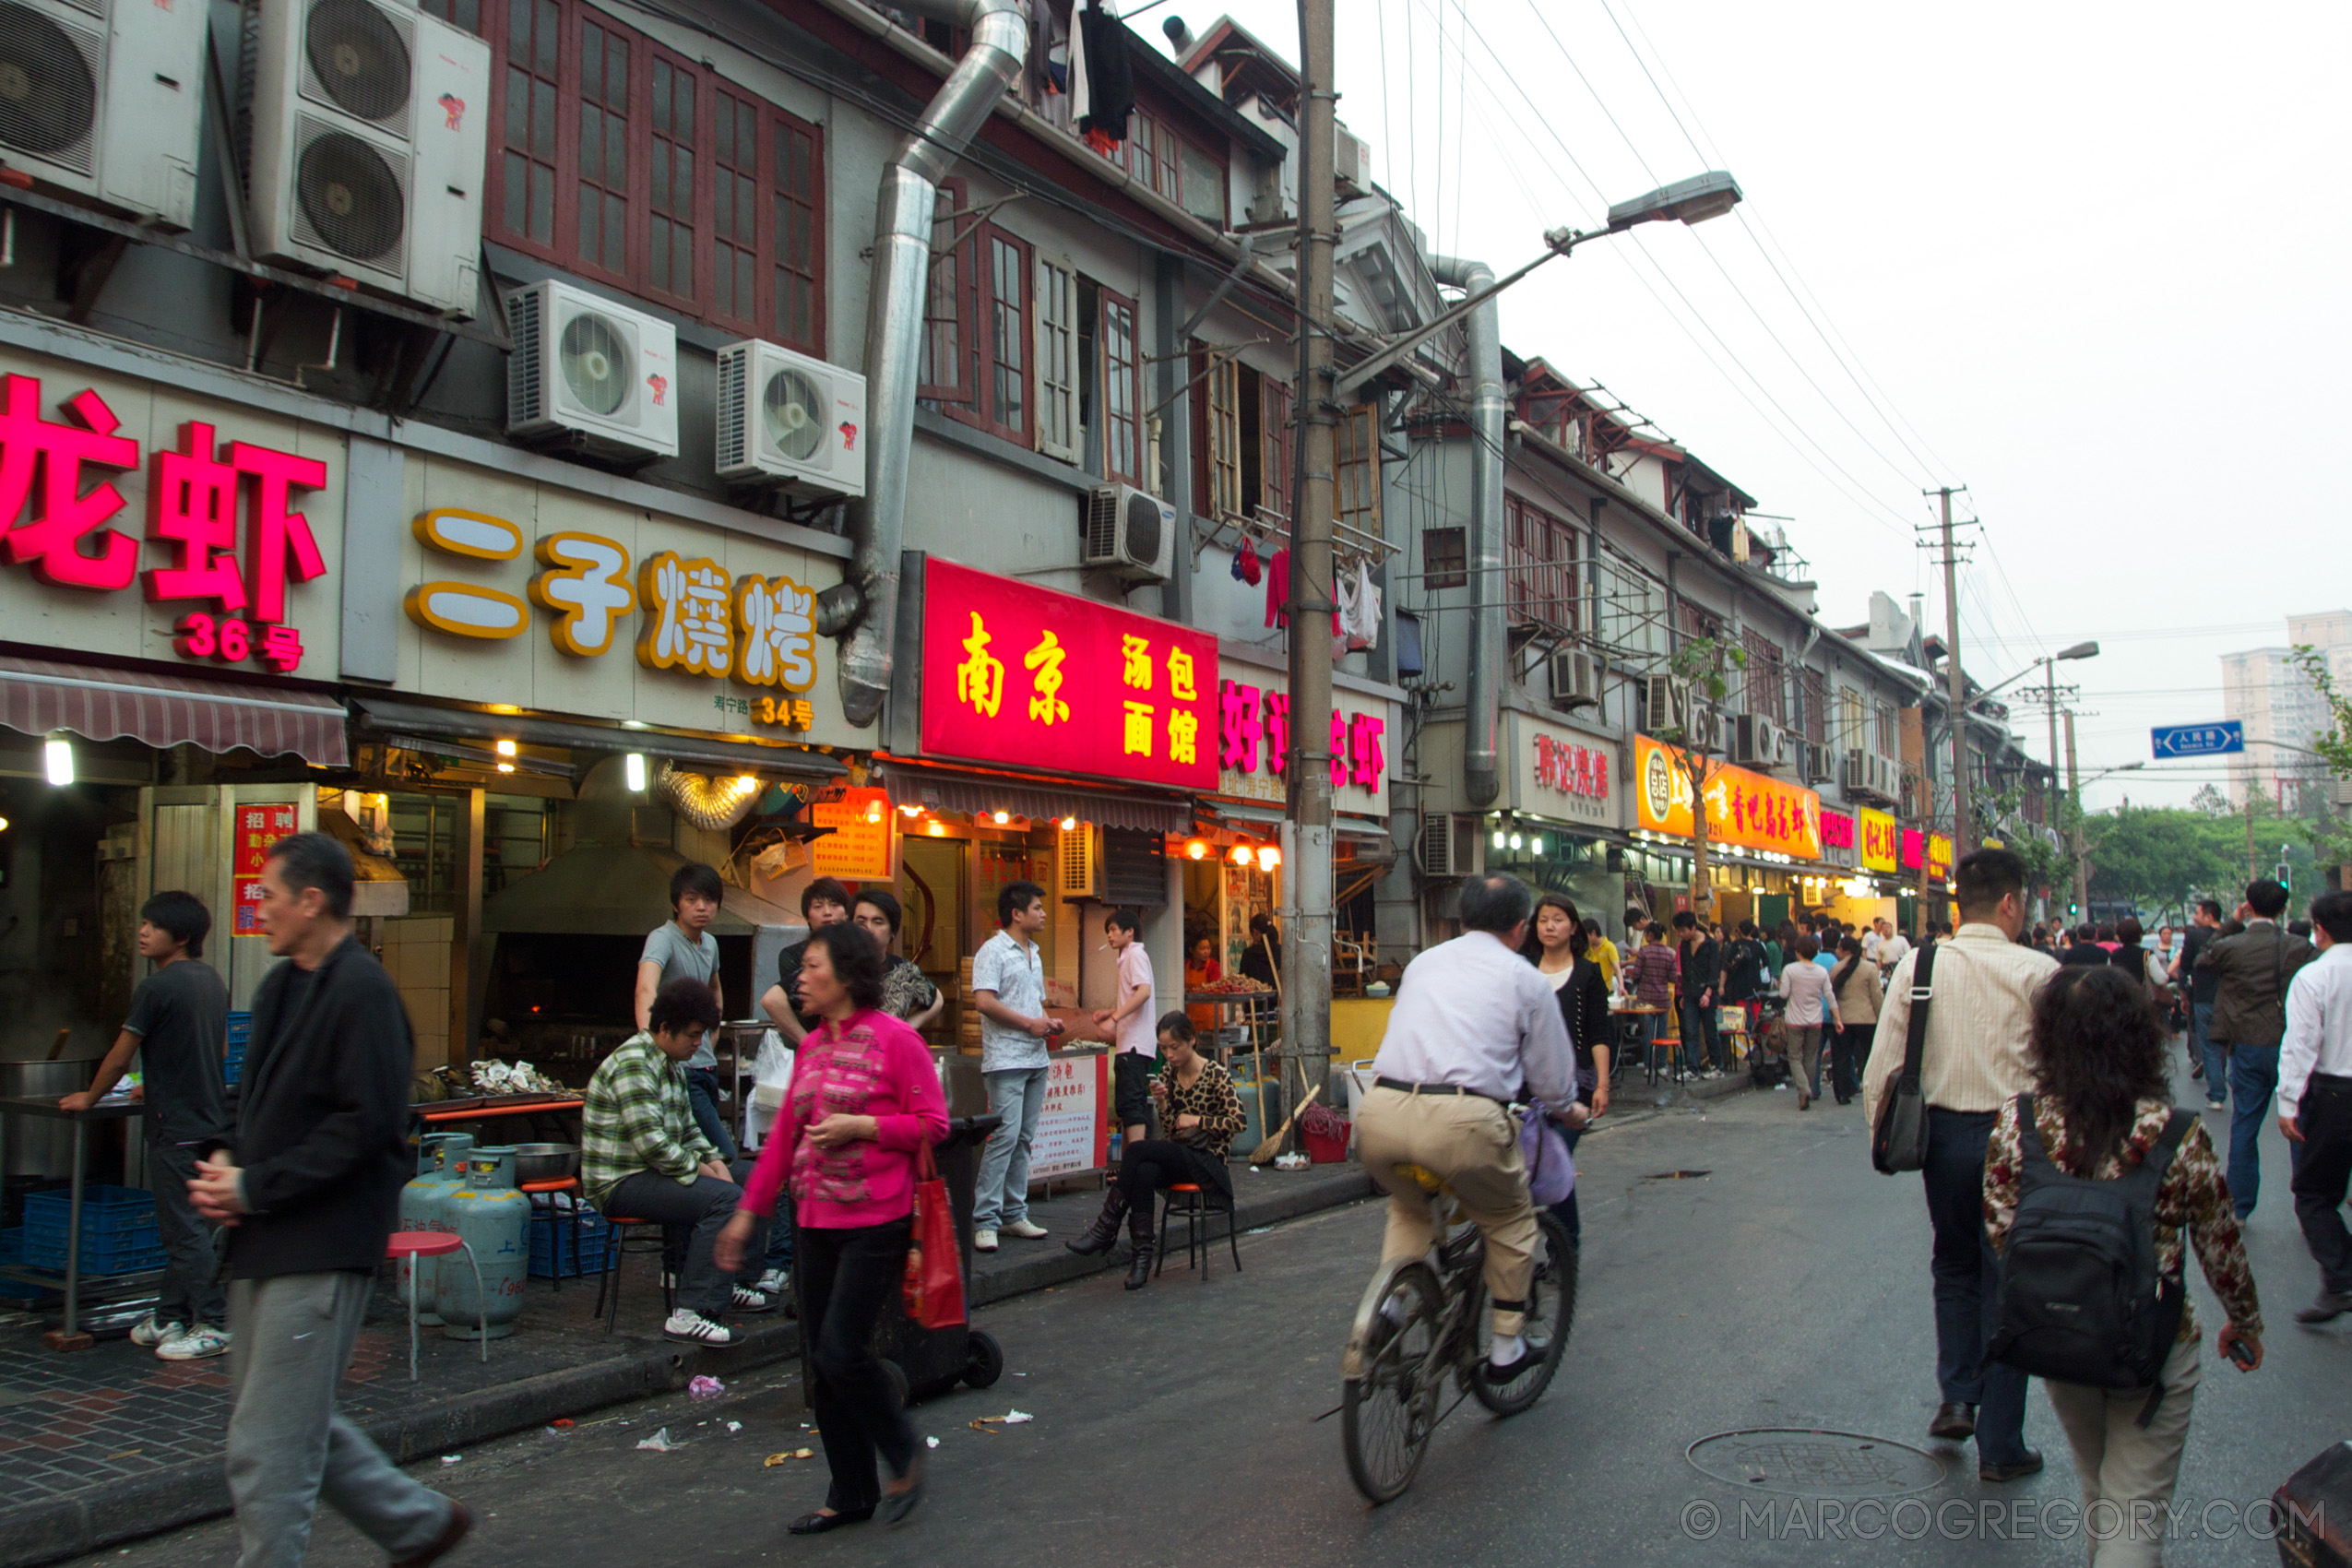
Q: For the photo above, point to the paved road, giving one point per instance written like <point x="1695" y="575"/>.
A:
<point x="1786" y="1288"/>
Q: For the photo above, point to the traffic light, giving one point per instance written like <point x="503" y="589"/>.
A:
<point x="2283" y="880"/>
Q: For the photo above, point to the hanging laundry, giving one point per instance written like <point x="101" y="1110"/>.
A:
<point x="1343" y="614"/>
<point x="1104" y="89"/>
<point x="1245" y="563"/>
<point x="1277" y="588"/>
<point x="1360" y="610"/>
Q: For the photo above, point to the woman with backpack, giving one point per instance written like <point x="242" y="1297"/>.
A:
<point x="2103" y="1124"/>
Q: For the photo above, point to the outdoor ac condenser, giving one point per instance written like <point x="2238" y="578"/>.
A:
<point x="1130" y="533"/>
<point x="790" y="420"/>
<point x="104" y="100"/>
<point x="590" y="374"/>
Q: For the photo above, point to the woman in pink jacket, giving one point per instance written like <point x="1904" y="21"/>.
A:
<point x="863" y="1102"/>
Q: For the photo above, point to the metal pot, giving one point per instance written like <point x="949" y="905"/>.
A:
<point x="42" y="1146"/>
<point x="545" y="1162"/>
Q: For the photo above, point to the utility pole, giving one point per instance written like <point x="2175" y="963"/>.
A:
<point x="2253" y="856"/>
<point x="2074" y="821"/>
<point x="1306" y="956"/>
<point x="2049" y="672"/>
<point x="1961" y="838"/>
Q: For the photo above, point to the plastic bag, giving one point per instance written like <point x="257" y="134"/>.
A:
<point x="1551" y="1170"/>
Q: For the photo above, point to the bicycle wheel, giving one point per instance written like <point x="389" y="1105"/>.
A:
<point x="1388" y="1396"/>
<point x="1552" y="1308"/>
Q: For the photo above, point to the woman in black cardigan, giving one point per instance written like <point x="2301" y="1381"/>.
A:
<point x="1556" y="948"/>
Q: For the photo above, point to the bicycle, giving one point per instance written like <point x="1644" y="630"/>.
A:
<point x="1398" y="1357"/>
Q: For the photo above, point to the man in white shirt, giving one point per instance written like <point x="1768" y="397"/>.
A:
<point x="1871" y="940"/>
<point x="1008" y="988"/>
<point x="2315" y="1100"/>
<point x="1973" y="1060"/>
<point x="1130" y="1023"/>
<point x="1892" y="946"/>
<point x="1474" y="1026"/>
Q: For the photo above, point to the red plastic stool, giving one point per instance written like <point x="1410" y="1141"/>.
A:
<point x="1199" y="1210"/>
<point x="414" y="1244"/>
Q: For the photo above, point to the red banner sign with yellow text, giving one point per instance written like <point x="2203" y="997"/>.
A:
<point x="1750" y="810"/>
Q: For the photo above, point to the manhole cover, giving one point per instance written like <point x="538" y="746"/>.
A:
<point x="1811" y="1463"/>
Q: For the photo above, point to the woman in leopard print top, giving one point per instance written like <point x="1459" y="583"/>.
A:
<point x="2101" y="1102"/>
<point x="1199" y="1114"/>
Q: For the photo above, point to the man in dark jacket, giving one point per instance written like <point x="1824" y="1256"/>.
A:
<point x="309" y="1189"/>
<point x="2205" y="990"/>
<point x="2249" y="1017"/>
<point x="1702" y="965"/>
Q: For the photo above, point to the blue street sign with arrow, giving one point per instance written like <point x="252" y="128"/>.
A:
<point x="2199" y="740"/>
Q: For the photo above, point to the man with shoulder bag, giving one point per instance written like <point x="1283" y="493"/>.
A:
<point x="1930" y="1095"/>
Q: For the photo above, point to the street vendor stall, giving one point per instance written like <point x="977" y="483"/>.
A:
<point x="70" y="1334"/>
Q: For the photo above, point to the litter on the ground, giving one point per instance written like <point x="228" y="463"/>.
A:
<point x="705" y="1389"/>
<point x="1010" y="1419"/>
<point x="930" y="1442"/>
<point x="563" y="1422"/>
<point x="659" y="1442"/>
<point x="734" y="1426"/>
<point x="773" y="1460"/>
<point x="451" y="1458"/>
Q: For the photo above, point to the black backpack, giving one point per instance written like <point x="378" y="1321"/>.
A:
<point x="2081" y="1298"/>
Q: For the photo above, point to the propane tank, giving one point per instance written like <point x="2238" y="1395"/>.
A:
<point x="494" y="1219"/>
<point x="423" y="1206"/>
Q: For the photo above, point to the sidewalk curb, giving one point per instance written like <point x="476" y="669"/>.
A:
<point x="183" y="1494"/>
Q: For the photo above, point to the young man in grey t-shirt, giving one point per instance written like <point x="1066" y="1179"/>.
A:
<point x="683" y="949"/>
<point x="178" y="1025"/>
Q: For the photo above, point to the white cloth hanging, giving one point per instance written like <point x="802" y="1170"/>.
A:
<point x="1081" y="90"/>
<point x="1360" y="609"/>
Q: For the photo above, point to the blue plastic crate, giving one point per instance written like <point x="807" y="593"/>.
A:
<point x="551" y="1244"/>
<point x="122" y="1253"/>
<point x="240" y="1029"/>
<point x="12" y="1245"/>
<point x="106" y="1210"/>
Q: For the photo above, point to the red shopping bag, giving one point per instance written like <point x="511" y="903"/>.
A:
<point x="934" y="1287"/>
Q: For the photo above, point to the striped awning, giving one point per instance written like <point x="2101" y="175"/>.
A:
<point x="100" y="704"/>
<point x="1040" y="799"/>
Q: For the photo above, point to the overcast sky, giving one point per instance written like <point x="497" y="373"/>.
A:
<point x="2087" y="260"/>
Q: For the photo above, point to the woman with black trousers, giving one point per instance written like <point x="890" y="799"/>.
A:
<point x="863" y="1106"/>
<point x="1856" y="983"/>
<point x="1200" y="1112"/>
<point x="1556" y="948"/>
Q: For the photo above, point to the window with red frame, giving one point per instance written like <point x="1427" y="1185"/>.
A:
<point x="1122" y="437"/>
<point x="1766" y="692"/>
<point x="635" y="167"/>
<point x="1539" y="568"/>
<point x="977" y="321"/>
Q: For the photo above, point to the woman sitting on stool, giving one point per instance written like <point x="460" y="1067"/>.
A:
<point x="1200" y="1113"/>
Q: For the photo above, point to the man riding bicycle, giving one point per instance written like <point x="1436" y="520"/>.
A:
<point x="1475" y="1025"/>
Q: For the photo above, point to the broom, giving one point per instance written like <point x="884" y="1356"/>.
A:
<point x="1267" y="1149"/>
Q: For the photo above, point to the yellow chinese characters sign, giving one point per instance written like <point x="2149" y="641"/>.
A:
<point x="1750" y="810"/>
<point x="1881" y="840"/>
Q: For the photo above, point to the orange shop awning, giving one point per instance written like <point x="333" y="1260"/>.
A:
<point x="102" y="704"/>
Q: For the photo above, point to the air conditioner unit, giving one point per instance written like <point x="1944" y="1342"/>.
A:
<point x="1816" y="763"/>
<point x="787" y="417"/>
<point x="1129" y="533"/>
<point x="1450" y="844"/>
<point x="1078" y="863"/>
<point x="1576" y="678"/>
<point x="1855" y="776"/>
<point x="368" y="134"/>
<point x="1757" y="741"/>
<point x="1352" y="163"/>
<point x="592" y="374"/>
<point x="105" y="98"/>
<point x="1888" y="773"/>
<point x="1666" y="703"/>
<point x="1706" y="728"/>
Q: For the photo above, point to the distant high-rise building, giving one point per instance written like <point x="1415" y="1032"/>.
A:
<point x="2263" y="690"/>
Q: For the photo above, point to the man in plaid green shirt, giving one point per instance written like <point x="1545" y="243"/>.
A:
<point x="642" y="1156"/>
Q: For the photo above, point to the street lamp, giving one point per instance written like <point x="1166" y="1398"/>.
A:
<point x="2074" y="827"/>
<point x="1694" y="201"/>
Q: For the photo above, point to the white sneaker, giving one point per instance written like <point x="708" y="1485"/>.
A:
<point x="696" y="1329"/>
<point x="197" y="1344"/>
<point x="775" y="1282"/>
<point x="1024" y="1230"/>
<point x="749" y="1300"/>
<point x="147" y="1333"/>
<point x="983" y="1240"/>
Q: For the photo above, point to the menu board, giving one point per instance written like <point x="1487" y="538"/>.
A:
<point x="1071" y="1133"/>
<point x="259" y="828"/>
<point x="858" y="849"/>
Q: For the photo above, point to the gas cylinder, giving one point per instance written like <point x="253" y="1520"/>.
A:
<point x="424" y="1204"/>
<point x="494" y="1219"/>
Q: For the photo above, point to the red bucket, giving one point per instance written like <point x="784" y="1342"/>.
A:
<point x="1326" y="1148"/>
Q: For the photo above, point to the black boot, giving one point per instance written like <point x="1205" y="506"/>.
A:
<point x="1139" y="1237"/>
<point x="1103" y="1233"/>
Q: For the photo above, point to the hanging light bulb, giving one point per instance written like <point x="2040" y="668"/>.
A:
<point x="503" y="748"/>
<point x="1269" y="857"/>
<point x="632" y="772"/>
<point x="910" y="811"/>
<point x="1536" y="844"/>
<point x="1241" y="854"/>
<point x="1197" y="850"/>
<point x="1499" y="838"/>
<point x="1516" y="842"/>
<point x="1069" y="825"/>
<point x="1002" y="817"/>
<point x="506" y="767"/>
<point x="59" y="755"/>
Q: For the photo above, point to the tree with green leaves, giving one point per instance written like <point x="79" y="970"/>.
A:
<point x="2329" y="835"/>
<point x="1705" y="665"/>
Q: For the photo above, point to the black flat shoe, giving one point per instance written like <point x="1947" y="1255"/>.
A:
<point x="817" y="1524"/>
<point x="2031" y="1465"/>
<point x="1955" y="1423"/>
<point x="1497" y="1377"/>
<point x="897" y="1505"/>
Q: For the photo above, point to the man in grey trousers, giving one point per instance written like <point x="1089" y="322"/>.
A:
<point x="308" y="1188"/>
